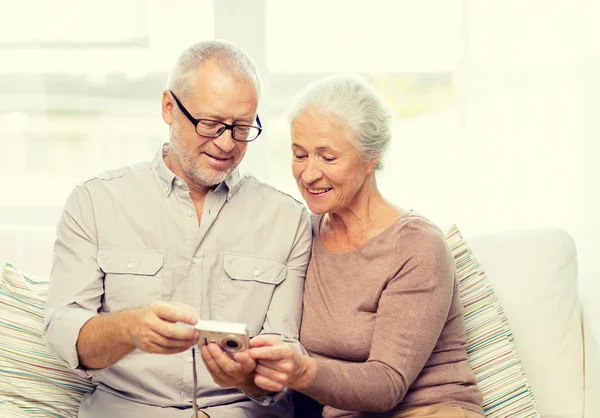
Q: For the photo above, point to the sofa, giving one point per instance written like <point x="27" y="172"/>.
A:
<point x="554" y="313"/>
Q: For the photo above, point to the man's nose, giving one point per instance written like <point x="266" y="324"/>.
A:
<point x="225" y="141"/>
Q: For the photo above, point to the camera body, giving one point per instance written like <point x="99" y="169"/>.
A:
<point x="232" y="337"/>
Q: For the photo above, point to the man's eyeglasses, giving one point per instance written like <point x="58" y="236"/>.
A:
<point x="214" y="128"/>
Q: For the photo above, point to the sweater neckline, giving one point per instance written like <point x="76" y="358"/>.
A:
<point x="386" y="231"/>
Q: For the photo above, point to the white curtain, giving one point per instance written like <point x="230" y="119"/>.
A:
<point x="530" y="106"/>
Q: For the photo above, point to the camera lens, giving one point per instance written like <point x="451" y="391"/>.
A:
<point x="231" y="343"/>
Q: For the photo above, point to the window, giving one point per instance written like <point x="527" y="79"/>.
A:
<point x="76" y="98"/>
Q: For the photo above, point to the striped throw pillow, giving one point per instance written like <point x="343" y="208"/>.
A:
<point x="8" y="410"/>
<point x="490" y="344"/>
<point x="32" y="379"/>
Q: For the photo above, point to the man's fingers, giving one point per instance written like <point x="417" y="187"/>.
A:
<point x="213" y="368"/>
<point x="224" y="362"/>
<point x="171" y="343"/>
<point x="185" y="307"/>
<point x="245" y="361"/>
<point x="157" y="349"/>
<point x="174" y="313"/>
<point x="214" y="371"/>
<point x="173" y="331"/>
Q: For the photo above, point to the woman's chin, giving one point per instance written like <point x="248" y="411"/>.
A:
<point x="317" y="209"/>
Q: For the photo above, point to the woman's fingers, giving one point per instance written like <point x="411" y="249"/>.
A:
<point x="267" y="384"/>
<point x="263" y="341"/>
<point x="273" y="374"/>
<point x="275" y="353"/>
<point x="285" y="366"/>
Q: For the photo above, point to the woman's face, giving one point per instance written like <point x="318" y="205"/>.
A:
<point x="326" y="165"/>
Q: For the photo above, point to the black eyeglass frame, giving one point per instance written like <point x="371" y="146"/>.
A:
<point x="226" y="126"/>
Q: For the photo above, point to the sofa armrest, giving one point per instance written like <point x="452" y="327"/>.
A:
<point x="590" y="302"/>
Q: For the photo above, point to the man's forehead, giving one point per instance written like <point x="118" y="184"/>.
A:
<point x="222" y="107"/>
<point x="211" y="75"/>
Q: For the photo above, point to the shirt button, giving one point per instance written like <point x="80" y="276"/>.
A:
<point x="190" y="212"/>
<point x="256" y="272"/>
<point x="194" y="260"/>
<point x="190" y="359"/>
<point x="130" y="265"/>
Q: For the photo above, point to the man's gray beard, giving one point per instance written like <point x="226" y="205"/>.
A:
<point x="196" y="174"/>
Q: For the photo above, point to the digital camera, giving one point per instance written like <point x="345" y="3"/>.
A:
<point x="230" y="336"/>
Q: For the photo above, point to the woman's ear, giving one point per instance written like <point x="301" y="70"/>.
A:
<point x="371" y="164"/>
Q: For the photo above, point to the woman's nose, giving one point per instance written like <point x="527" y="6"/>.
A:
<point x="312" y="172"/>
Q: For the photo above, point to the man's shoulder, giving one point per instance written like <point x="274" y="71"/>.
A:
<point x="129" y="172"/>
<point x="265" y="190"/>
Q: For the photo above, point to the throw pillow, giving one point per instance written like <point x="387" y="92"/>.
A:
<point x="490" y="344"/>
<point x="31" y="378"/>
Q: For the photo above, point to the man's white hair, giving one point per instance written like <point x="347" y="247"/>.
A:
<point x="356" y="106"/>
<point x="227" y="55"/>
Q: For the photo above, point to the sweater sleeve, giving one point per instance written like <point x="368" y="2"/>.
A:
<point x="411" y="314"/>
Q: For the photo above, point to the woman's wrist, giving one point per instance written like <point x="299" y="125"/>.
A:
<point x="250" y="388"/>
<point x="308" y="368"/>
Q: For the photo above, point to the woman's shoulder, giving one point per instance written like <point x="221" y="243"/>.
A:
<point x="417" y="230"/>
<point x="423" y="243"/>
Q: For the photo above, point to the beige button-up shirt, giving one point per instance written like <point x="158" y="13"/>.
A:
<point x="131" y="237"/>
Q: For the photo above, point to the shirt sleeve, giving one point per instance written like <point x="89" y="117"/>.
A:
<point x="411" y="314"/>
<point x="76" y="282"/>
<point x="285" y="310"/>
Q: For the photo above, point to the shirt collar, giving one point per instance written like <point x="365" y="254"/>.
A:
<point x="166" y="178"/>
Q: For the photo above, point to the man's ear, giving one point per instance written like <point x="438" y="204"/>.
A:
<point x="167" y="106"/>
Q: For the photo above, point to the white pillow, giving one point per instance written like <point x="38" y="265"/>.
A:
<point x="491" y="349"/>
<point x="534" y="274"/>
<point x="31" y="378"/>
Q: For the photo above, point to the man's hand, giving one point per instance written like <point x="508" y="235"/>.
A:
<point x="155" y="329"/>
<point x="231" y="372"/>
<point x="106" y="339"/>
<point x="279" y="365"/>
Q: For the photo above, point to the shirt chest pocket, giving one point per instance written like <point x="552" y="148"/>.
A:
<point x="133" y="277"/>
<point x="247" y="288"/>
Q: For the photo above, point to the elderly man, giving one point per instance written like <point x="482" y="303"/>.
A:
<point x="181" y="237"/>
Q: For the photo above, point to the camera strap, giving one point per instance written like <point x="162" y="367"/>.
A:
<point x="194" y="394"/>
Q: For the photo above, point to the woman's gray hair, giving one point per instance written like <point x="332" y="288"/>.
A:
<point x="227" y="55"/>
<point x="356" y="106"/>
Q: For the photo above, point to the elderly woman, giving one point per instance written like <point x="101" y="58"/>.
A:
<point x="382" y="320"/>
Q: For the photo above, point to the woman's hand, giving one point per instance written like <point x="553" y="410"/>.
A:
<point x="280" y="366"/>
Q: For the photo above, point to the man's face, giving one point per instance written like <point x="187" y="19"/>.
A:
<point x="218" y="95"/>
